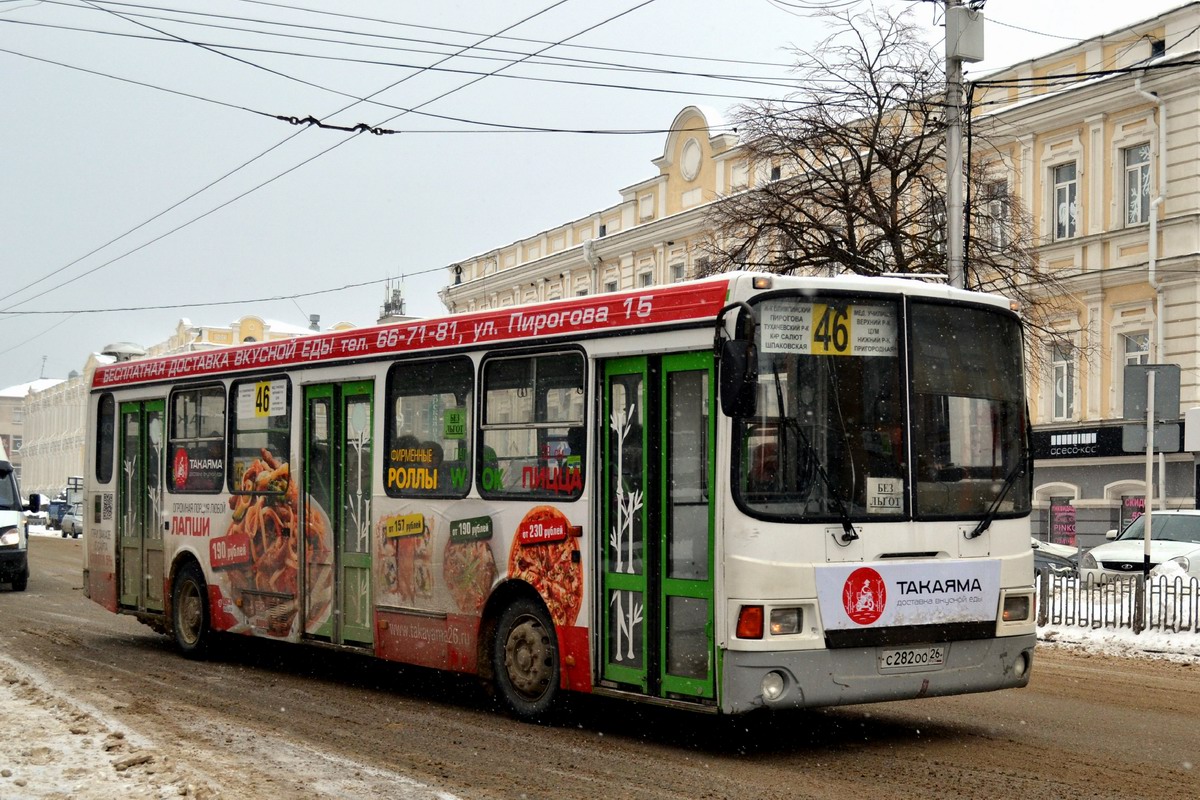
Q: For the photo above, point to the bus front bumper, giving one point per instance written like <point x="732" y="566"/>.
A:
<point x="846" y="676"/>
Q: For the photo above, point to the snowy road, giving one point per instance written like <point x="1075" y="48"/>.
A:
<point x="94" y="706"/>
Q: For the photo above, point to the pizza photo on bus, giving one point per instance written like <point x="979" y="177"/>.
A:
<point x="469" y="569"/>
<point x="545" y="554"/>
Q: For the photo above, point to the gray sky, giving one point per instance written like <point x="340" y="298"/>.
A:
<point x="87" y="158"/>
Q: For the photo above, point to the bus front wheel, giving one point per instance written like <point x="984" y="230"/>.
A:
<point x="189" y="612"/>
<point x="525" y="660"/>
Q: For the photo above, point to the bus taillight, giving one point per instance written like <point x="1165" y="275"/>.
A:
<point x="750" y="622"/>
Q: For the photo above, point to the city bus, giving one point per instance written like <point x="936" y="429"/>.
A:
<point x="741" y="492"/>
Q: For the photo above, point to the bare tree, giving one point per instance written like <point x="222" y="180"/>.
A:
<point x="848" y="174"/>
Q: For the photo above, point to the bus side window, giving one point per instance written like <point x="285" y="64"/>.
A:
<point x="429" y="428"/>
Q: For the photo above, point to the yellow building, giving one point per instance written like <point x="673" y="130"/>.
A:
<point x="1101" y="142"/>
<point x="1108" y="164"/>
<point x="651" y="237"/>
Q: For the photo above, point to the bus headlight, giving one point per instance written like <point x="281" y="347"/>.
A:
<point x="1182" y="561"/>
<point x="773" y="684"/>
<point x="785" y="621"/>
<point x="10" y="537"/>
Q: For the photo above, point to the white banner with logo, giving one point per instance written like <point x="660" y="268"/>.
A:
<point x="880" y="594"/>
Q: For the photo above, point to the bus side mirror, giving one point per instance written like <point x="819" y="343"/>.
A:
<point x="739" y="378"/>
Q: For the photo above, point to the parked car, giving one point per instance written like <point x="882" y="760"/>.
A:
<point x="1064" y="550"/>
<point x="1048" y="563"/>
<point x="72" y="521"/>
<point x="1174" y="537"/>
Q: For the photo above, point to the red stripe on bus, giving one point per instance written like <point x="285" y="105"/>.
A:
<point x="576" y="315"/>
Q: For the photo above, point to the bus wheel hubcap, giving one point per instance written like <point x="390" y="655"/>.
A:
<point x="527" y="658"/>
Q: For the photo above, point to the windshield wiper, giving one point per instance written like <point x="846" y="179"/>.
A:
<point x="986" y="522"/>
<point x="849" y="534"/>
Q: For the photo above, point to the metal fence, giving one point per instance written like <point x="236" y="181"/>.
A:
<point x="1168" y="604"/>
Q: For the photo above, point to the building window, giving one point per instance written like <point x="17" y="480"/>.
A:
<point x="603" y="230"/>
<point x="678" y="273"/>
<point x="1066" y="201"/>
<point x="610" y="286"/>
<point x="1063" y="379"/>
<point x="1137" y="348"/>
<point x="998" y="212"/>
<point x="581" y="293"/>
<point x="1137" y="184"/>
<point x="1158" y="48"/>
<point x="646" y="279"/>
<point x="776" y="173"/>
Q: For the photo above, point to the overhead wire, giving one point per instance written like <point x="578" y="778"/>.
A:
<point x="501" y="54"/>
<point x="570" y="46"/>
<point x="220" y="47"/>
<point x="215" y="303"/>
<point x="205" y="188"/>
<point x="314" y="157"/>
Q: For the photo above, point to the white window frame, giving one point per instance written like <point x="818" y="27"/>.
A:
<point x="1136" y="357"/>
<point x="1136" y="186"/>
<point x="1064" y="383"/>
<point x="1064" y="194"/>
<point x="1127" y="320"/>
<point x="999" y="211"/>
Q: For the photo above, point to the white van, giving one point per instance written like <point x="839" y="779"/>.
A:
<point x="14" y="542"/>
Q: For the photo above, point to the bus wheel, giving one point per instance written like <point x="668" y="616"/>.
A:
<point x="525" y="660"/>
<point x="189" y="612"/>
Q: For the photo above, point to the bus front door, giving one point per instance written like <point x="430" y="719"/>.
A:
<point x="657" y="579"/>
<point x="140" y="511"/>
<point x="337" y="513"/>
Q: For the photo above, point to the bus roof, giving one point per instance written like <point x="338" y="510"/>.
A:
<point x="616" y="312"/>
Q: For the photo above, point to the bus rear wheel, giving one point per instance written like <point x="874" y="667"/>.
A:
<point x="525" y="665"/>
<point x="189" y="612"/>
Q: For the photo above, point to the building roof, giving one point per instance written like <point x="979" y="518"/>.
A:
<point x="22" y="389"/>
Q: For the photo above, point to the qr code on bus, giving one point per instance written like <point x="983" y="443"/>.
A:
<point x="106" y="510"/>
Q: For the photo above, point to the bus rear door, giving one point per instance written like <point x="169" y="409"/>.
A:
<point x="140" y="522"/>
<point x="337" y="512"/>
<point x="657" y="580"/>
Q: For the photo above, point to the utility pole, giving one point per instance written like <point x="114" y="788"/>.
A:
<point x="964" y="42"/>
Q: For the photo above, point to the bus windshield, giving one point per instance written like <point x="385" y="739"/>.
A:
<point x="828" y="440"/>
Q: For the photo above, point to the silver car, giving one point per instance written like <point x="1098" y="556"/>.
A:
<point x="72" y="521"/>
<point x="1174" y="537"/>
